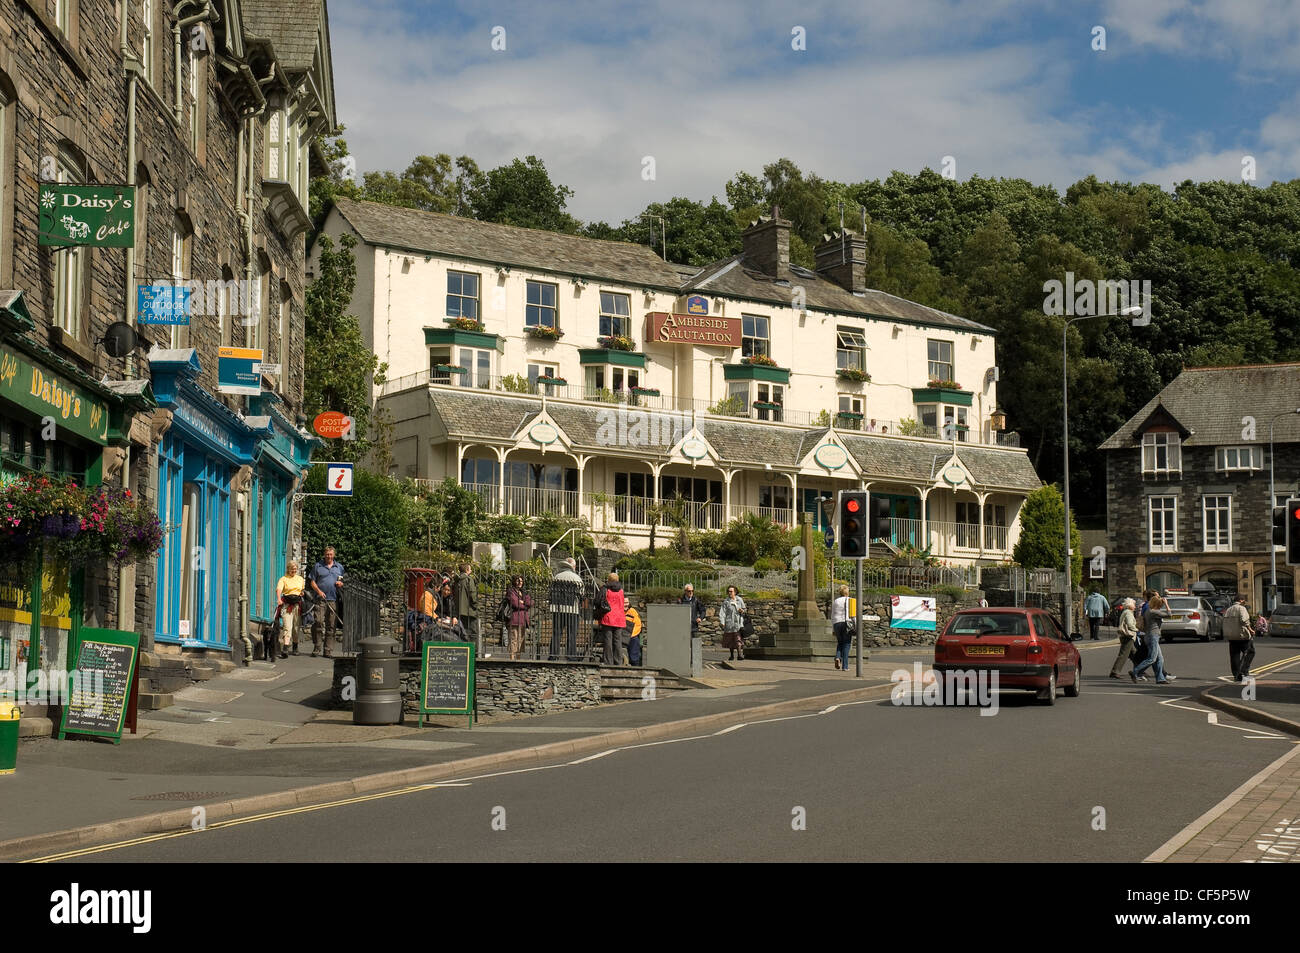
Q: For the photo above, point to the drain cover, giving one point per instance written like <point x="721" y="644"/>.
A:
<point x="181" y="796"/>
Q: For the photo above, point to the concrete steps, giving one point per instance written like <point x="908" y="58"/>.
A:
<point x="624" y="682"/>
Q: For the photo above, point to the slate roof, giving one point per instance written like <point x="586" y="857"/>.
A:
<point x="734" y="277"/>
<point x="290" y="25"/>
<point x="480" y="415"/>
<point x="1211" y="402"/>
<point x="457" y="237"/>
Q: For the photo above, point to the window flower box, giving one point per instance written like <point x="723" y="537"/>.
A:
<point x="937" y="384"/>
<point x="551" y="381"/>
<point x="850" y="415"/>
<point x="852" y="374"/>
<point x="616" y="342"/>
<point x="464" y="324"/>
<point x="449" y="369"/>
<point x="766" y="405"/>
<point x="758" y="360"/>
<point x="542" y="333"/>
<point x="645" y="391"/>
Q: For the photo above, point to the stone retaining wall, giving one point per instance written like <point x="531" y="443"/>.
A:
<point x="520" y="688"/>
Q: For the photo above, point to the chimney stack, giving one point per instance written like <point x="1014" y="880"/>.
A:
<point x="767" y="244"/>
<point x="842" y="258"/>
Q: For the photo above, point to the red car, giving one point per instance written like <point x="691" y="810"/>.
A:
<point x="1025" y="646"/>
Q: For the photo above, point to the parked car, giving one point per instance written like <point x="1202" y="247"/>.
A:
<point x="1025" y="646"/>
<point x="1219" y="601"/>
<point x="1191" y="616"/>
<point x="1285" y="620"/>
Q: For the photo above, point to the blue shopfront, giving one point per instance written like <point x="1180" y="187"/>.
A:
<point x="280" y="461"/>
<point x="198" y="456"/>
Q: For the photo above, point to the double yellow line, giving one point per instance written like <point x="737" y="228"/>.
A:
<point x="1273" y="666"/>
<point x="218" y="825"/>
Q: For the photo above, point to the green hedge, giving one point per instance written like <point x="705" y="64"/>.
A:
<point x="367" y="529"/>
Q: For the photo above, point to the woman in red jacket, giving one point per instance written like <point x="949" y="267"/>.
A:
<point x="520" y="603"/>
<point x="614" y="622"/>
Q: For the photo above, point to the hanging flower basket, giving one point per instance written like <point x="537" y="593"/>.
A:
<point x="449" y="369"/>
<point x="852" y="374"/>
<point x="616" y="342"/>
<point x="543" y="333"/>
<point x="40" y="514"/>
<point x="464" y="324"/>
<point x="759" y="360"/>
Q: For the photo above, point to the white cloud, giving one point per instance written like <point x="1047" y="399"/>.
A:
<point x="712" y="89"/>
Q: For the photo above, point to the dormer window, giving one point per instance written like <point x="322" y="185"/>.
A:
<point x="1161" y="454"/>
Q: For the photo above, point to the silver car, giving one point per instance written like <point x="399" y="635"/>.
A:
<point x="1191" y="616"/>
<point x="1285" y="621"/>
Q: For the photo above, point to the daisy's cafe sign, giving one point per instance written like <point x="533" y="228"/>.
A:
<point x="99" y="215"/>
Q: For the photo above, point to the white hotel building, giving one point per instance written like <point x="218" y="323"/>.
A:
<point x="748" y="385"/>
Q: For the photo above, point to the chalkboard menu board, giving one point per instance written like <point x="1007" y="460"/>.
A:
<point x="100" y="683"/>
<point x="447" y="679"/>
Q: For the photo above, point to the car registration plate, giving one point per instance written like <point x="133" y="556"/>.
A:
<point x="1172" y="618"/>
<point x="986" y="650"/>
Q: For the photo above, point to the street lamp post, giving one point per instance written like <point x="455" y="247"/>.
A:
<point x="1132" y="313"/>
<point x="1270" y="602"/>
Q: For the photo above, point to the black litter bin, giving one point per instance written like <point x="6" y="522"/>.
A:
<point x="379" y="688"/>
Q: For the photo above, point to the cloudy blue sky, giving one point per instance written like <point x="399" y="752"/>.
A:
<point x="1007" y="87"/>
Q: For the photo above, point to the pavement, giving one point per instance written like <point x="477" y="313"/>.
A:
<point x="261" y="737"/>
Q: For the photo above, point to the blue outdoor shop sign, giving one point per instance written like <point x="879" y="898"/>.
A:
<point x="162" y="304"/>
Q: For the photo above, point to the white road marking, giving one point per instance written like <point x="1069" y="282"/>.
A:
<point x="1213" y="719"/>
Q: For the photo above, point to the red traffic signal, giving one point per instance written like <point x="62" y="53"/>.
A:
<point x="853" y="528"/>
<point x="851" y="505"/>
<point x="1293" y="532"/>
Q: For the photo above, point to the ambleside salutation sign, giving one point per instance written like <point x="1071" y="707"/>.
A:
<point x="102" y="216"/>
<point x="662" y="328"/>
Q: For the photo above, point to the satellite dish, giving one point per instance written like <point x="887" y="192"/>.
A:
<point x="120" y="339"/>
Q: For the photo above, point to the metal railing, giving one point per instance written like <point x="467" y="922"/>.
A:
<point x="360" y="604"/>
<point x="946" y="538"/>
<point x="517" y="384"/>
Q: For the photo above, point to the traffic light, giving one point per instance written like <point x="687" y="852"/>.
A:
<point x="853" y="524"/>
<point x="880" y="527"/>
<point x="1293" y="532"/>
<point x="1279" y="525"/>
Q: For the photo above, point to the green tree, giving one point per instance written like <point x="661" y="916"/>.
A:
<point x="1042" y="531"/>
<point x="338" y="365"/>
<point x="366" y="529"/>
<point x="324" y="189"/>
<point x="431" y="183"/>
<point x="521" y="193"/>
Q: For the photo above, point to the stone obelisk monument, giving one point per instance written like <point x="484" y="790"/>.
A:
<point x="808" y="636"/>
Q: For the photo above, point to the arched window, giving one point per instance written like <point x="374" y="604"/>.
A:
<point x="70" y="263"/>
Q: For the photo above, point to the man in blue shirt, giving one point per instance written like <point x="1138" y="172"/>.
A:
<point x="326" y="581"/>
<point x="1095" y="607"/>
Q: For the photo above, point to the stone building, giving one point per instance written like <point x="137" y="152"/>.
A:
<point x="1187" y="482"/>
<point x="206" y="116"/>
<point x="559" y="373"/>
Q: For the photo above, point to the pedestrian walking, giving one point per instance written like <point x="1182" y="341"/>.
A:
<point x="288" y="593"/>
<point x="466" y="589"/>
<point x="565" y="598"/>
<point x="520" y="605"/>
<point x="613" y="621"/>
<point x="326" y="582"/>
<point x="697" y="608"/>
<point x="843" y="628"/>
<point x="1127" y="637"/>
<point x="1095" y="608"/>
<point x="1157" y="610"/>
<point x="732" y="616"/>
<point x="1239" y="634"/>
